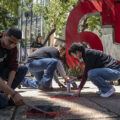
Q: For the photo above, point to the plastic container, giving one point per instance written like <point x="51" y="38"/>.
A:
<point x="68" y="87"/>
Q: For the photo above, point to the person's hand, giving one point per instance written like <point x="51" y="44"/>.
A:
<point x="66" y="79"/>
<point x="18" y="99"/>
<point x="61" y="85"/>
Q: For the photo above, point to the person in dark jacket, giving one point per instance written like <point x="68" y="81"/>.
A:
<point x="99" y="68"/>
<point x="36" y="44"/>
<point x="9" y="69"/>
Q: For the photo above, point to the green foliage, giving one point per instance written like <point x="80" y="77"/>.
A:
<point x="10" y="5"/>
<point x="8" y="13"/>
<point x="75" y="70"/>
<point x="55" y="13"/>
<point x="7" y="19"/>
<point x="94" y="24"/>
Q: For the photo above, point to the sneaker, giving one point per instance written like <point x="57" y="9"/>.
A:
<point x="98" y="92"/>
<point x="45" y="88"/>
<point x="109" y="93"/>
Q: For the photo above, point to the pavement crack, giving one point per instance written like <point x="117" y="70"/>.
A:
<point x="14" y="113"/>
<point x="108" y="110"/>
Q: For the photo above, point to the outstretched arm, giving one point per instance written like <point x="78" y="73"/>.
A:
<point x="57" y="80"/>
<point x="17" y="98"/>
<point x="61" y="70"/>
<point x="82" y="83"/>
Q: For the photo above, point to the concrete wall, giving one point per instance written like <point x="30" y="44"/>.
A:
<point x="109" y="47"/>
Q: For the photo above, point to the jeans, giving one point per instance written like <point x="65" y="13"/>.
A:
<point x="37" y="67"/>
<point x="100" y="76"/>
<point x="20" y="74"/>
<point x="3" y="102"/>
<point x="27" y="82"/>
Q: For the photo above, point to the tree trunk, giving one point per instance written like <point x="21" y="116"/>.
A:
<point x="48" y="36"/>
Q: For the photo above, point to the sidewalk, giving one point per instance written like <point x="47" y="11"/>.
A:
<point x="88" y="107"/>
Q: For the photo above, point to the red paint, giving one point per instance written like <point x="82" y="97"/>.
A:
<point x="117" y="22"/>
<point x="40" y="114"/>
<point x="108" y="12"/>
<point x="65" y="98"/>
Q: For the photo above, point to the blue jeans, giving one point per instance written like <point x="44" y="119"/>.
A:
<point x="37" y="67"/>
<point x="3" y="102"/>
<point x="20" y="74"/>
<point x="27" y="82"/>
<point x="100" y="76"/>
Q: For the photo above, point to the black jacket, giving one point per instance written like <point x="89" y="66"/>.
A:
<point x="98" y="59"/>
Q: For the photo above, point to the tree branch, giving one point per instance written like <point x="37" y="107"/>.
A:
<point x="48" y="36"/>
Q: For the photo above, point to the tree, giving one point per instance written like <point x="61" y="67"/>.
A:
<point x="6" y="20"/>
<point x="55" y="14"/>
<point x="8" y="14"/>
<point x="92" y="23"/>
<point x="10" y="5"/>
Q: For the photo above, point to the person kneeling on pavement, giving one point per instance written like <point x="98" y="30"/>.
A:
<point x="42" y="64"/>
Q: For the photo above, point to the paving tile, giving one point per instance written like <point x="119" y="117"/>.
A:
<point x="87" y="107"/>
<point x="6" y="113"/>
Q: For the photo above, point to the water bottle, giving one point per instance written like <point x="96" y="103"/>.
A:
<point x="68" y="87"/>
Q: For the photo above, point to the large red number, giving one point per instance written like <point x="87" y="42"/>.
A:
<point x="72" y="34"/>
<point x="110" y="16"/>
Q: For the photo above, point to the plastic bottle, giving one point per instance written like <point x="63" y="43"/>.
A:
<point x="68" y="87"/>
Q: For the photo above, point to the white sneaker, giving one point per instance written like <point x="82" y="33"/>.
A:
<point x="109" y="93"/>
<point x="98" y="92"/>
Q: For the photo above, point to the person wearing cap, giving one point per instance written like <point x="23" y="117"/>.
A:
<point x="9" y="69"/>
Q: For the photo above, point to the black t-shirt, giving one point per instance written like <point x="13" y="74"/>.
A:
<point x="44" y="52"/>
<point x="36" y="45"/>
<point x="98" y="59"/>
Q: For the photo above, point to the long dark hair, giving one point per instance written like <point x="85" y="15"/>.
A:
<point x="38" y="37"/>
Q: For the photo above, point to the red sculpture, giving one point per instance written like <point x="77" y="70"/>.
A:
<point x="110" y="16"/>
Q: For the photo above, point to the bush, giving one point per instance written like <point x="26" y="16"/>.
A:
<point x="75" y="70"/>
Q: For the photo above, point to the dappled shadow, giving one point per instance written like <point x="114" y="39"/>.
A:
<point x="109" y="107"/>
<point x="22" y="111"/>
<point x="83" y="107"/>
